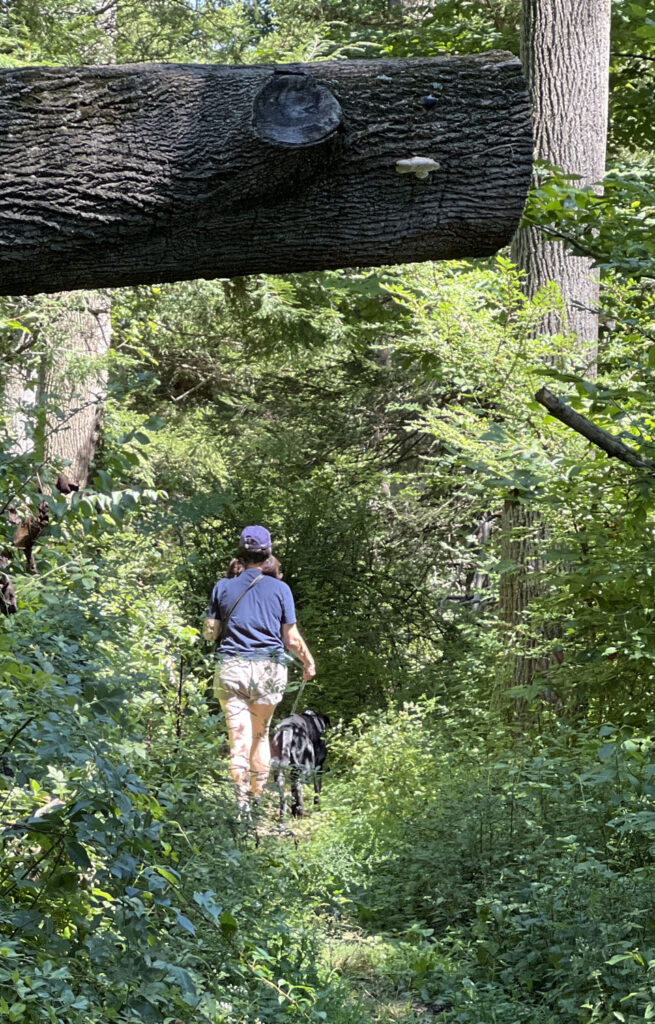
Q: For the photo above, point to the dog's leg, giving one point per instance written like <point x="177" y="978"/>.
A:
<point x="318" y="782"/>
<point x="298" y="807"/>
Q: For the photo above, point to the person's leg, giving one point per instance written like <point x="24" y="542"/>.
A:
<point x="240" y="733"/>
<point x="260" y="751"/>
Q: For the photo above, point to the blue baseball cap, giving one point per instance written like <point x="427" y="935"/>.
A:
<point x="255" y="538"/>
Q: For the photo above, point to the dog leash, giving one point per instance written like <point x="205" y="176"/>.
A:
<point x="298" y="696"/>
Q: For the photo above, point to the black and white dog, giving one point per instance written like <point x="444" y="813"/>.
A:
<point x="298" y="744"/>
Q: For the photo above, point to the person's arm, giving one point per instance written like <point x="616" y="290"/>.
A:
<point x="212" y="629"/>
<point x="295" y="643"/>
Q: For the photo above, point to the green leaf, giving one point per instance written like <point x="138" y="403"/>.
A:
<point x="206" y="901"/>
<point x="77" y="854"/>
<point x="167" y="873"/>
<point x="228" y="923"/>
<point x="185" y="923"/>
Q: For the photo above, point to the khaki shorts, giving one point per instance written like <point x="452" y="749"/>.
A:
<point x="252" y="680"/>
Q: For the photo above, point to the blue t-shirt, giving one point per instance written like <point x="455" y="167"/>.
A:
<point x="255" y="628"/>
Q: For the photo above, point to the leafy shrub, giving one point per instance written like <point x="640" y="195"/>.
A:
<point x="539" y="862"/>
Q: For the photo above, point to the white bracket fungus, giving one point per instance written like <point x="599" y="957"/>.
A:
<point x="421" y="166"/>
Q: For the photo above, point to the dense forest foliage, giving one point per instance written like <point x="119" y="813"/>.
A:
<point x="485" y="850"/>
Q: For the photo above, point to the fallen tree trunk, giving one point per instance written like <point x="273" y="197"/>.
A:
<point x="142" y="173"/>
<point x="601" y="438"/>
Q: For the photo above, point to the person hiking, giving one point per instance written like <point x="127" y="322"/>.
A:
<point x="252" y="617"/>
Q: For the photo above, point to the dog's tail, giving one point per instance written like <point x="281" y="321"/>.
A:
<point x="281" y="747"/>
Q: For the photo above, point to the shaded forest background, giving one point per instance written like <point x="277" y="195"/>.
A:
<point x="486" y="849"/>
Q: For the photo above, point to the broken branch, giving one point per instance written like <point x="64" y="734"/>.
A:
<point x="601" y="438"/>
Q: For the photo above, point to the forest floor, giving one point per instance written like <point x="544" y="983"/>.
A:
<point x="445" y="881"/>
<point x="366" y="962"/>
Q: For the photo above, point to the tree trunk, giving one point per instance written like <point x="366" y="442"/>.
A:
<point x="18" y="400"/>
<point x="566" y="49"/>
<point x="521" y="533"/>
<point x="74" y="378"/>
<point x="566" y="60"/>
<point x="144" y="173"/>
<point x="74" y="371"/>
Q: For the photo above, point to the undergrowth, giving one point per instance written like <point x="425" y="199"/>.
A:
<point x="509" y="885"/>
<point x="454" y="874"/>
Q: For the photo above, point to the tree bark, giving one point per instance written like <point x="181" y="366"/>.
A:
<point x="73" y="371"/>
<point x="143" y="173"/>
<point x="74" y="378"/>
<point x="565" y="51"/>
<point x="521" y="531"/>
<point x="18" y="399"/>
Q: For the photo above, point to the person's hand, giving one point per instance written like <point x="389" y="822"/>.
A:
<point x="212" y="629"/>
<point x="309" y="671"/>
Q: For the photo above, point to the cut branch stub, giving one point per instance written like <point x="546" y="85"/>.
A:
<point x="295" y="110"/>
<point x="135" y="174"/>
